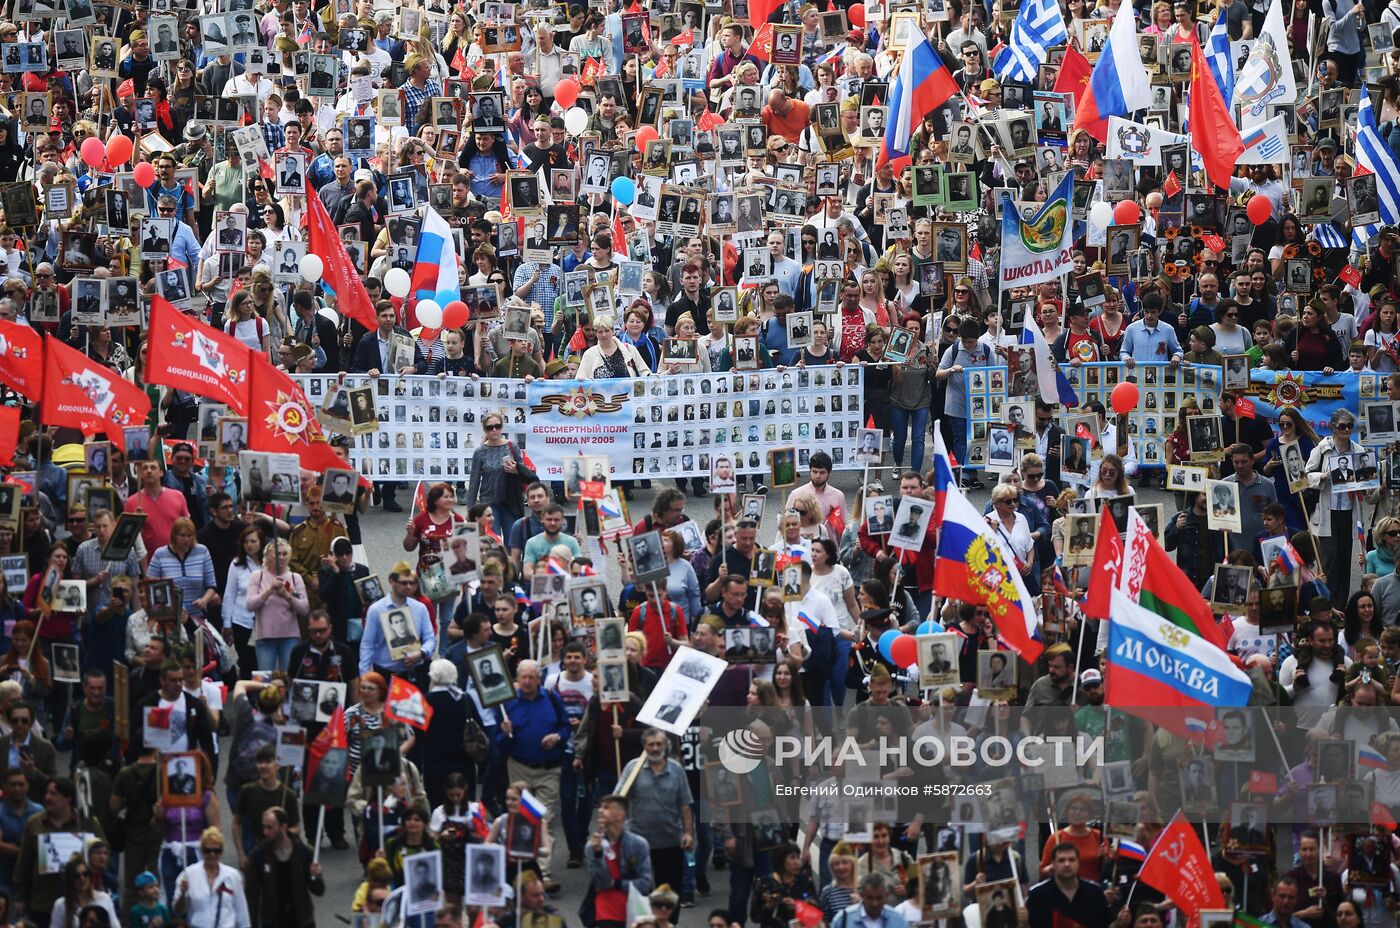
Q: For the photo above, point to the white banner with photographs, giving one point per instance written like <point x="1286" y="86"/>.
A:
<point x="686" y="425"/>
<point x="1001" y="411"/>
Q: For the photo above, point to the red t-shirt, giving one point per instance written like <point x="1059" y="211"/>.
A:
<point x="433" y="536"/>
<point x="610" y="905"/>
<point x="1082" y="347"/>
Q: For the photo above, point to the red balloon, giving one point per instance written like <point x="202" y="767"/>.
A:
<point x="144" y="174"/>
<point x="1126" y="213"/>
<point x="454" y="315"/>
<point x="93" y="152"/>
<point x="1259" y="209"/>
<point x="119" y="149"/>
<point x="855" y="15"/>
<point x="644" y="135"/>
<point x="904" y="650"/>
<point x="1124" y="397"/>
<point x="566" y="92"/>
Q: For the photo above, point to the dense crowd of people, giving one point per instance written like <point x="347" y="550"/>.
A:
<point x="208" y="680"/>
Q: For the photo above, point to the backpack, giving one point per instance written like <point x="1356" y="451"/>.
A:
<point x="216" y="648"/>
<point x="243" y="762"/>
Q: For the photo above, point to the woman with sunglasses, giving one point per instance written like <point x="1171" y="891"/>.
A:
<point x="499" y="472"/>
<point x="1292" y="426"/>
<point x="1332" y="516"/>
<point x="78" y="894"/>
<point x="210" y="894"/>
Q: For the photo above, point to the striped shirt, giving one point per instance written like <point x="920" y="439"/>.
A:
<point x="193" y="575"/>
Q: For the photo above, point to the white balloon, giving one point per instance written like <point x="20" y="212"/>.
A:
<point x="397" y="282"/>
<point x="311" y="267"/>
<point x="1101" y="215"/>
<point x="429" y="314"/>
<point x="576" y="120"/>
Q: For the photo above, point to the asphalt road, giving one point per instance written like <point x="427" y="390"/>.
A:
<point x="383" y="535"/>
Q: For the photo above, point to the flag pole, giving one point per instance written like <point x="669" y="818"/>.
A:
<point x="320" y="833"/>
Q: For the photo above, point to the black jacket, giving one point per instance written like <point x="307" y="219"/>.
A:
<point x="261" y="885"/>
<point x="367" y="354"/>
<point x="198" y="726"/>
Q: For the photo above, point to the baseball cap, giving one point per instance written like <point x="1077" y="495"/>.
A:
<point x="1091" y="677"/>
<point x="403" y="571"/>
<point x="145" y="878"/>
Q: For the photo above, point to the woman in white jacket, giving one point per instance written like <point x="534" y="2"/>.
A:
<point x="1331" y="519"/>
<point x="210" y="893"/>
<point x="611" y="357"/>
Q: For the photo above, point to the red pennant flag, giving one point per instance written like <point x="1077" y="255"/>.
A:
<point x="85" y="395"/>
<point x="1212" y="241"/>
<point x="1083" y="431"/>
<point x="189" y="355"/>
<point x="351" y="297"/>
<point x="685" y="39"/>
<point x="282" y="421"/>
<point x="158" y="717"/>
<point x="9" y="434"/>
<point x="22" y="360"/>
<point x="1350" y="275"/>
<point x="1108" y="564"/>
<point x="1180" y="867"/>
<point x="837" y="520"/>
<point x="1381" y="816"/>
<point x="1212" y="126"/>
<point x="406" y="704"/>
<point x="330" y="738"/>
<point x="761" y="48"/>
<point x="1263" y="783"/>
<point x="1245" y="407"/>
<point x="1172" y="186"/>
<point x="1074" y="74"/>
<point x="808" y="914"/>
<point x="760" y="10"/>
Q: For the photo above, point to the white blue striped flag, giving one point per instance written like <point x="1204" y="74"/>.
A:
<point x="1375" y="156"/>
<point x="1328" y="236"/>
<point x="1037" y="27"/>
<point x="1218" y="59"/>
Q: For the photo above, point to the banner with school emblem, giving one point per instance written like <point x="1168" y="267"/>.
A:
<point x="1038" y="246"/>
<point x="1139" y="143"/>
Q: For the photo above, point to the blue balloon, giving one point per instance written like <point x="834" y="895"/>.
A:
<point x="929" y="627"/>
<point x="623" y="190"/>
<point x="886" y="640"/>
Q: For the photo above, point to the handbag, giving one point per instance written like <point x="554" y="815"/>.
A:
<point x="474" y="742"/>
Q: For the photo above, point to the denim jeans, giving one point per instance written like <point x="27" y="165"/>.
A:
<point x="274" y="653"/>
<point x="741" y="882"/>
<point x="836" y="682"/>
<point x="171" y="866"/>
<point x="574" y="809"/>
<point x="902" y="421"/>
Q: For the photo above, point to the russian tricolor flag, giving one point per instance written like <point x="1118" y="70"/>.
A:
<point x="1369" y="757"/>
<point x="1131" y="850"/>
<point x="435" y="275"/>
<point x="531" y="809"/>
<point x="807" y="621"/>
<point x="479" y="823"/>
<point x="1118" y="84"/>
<point x="975" y="566"/>
<point x="921" y="86"/>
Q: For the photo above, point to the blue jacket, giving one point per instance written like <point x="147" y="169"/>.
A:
<point x="531" y="720"/>
<point x="635" y="861"/>
<point x="853" y="917"/>
<point x="374" y="650"/>
<point x="367" y="356"/>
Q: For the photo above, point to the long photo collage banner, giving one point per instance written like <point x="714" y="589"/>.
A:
<point x="764" y="422"/>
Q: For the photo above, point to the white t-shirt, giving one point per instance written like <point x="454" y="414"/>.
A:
<point x="833" y="587"/>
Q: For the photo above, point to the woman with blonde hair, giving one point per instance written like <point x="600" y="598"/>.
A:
<point x="277" y="598"/>
<point x="267" y="302"/>
<point x="210" y="893"/>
